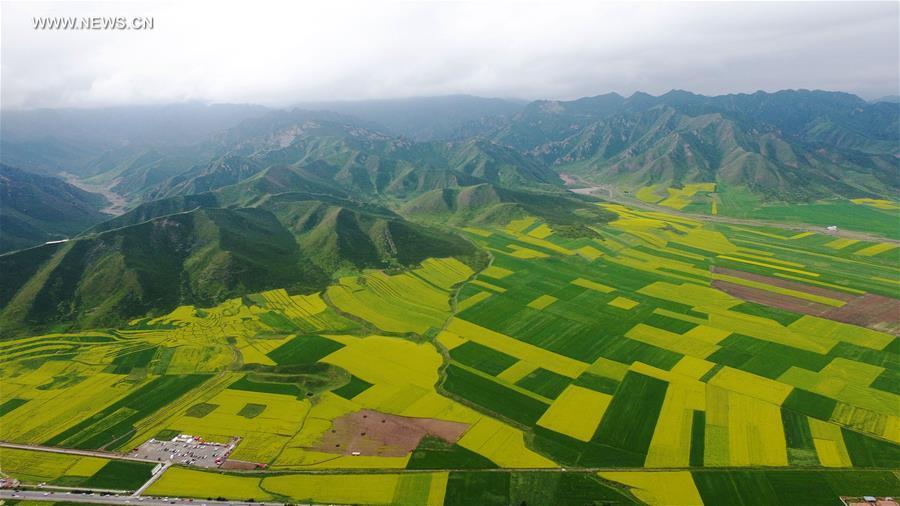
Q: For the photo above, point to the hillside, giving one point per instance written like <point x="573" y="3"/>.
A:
<point x="188" y="251"/>
<point x="198" y="257"/>
<point x="487" y="204"/>
<point x="765" y="145"/>
<point x="339" y="235"/>
<point x="35" y="209"/>
<point x="329" y="153"/>
<point x="662" y="146"/>
<point x="785" y="146"/>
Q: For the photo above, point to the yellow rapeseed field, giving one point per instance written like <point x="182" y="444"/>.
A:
<point x="623" y="303"/>
<point x="576" y="412"/>
<point x="183" y="482"/>
<point x="519" y="349"/>
<point x="664" y="488"/>
<point x="829" y="444"/>
<point x="542" y="301"/>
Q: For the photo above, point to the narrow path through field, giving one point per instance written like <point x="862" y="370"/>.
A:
<point x="96" y="498"/>
<point x="562" y="469"/>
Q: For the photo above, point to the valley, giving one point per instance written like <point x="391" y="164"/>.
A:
<point x="117" y="203"/>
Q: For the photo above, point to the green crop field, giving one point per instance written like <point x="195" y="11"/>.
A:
<point x="740" y="364"/>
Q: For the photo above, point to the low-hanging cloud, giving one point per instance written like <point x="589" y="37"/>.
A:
<point x="276" y="53"/>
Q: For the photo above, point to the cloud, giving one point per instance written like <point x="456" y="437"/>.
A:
<point x="279" y="53"/>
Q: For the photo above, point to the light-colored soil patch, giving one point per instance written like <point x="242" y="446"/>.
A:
<point x="370" y="432"/>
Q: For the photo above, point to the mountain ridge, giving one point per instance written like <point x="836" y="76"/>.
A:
<point x="36" y="208"/>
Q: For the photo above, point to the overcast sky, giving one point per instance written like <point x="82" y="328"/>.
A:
<point x="276" y="54"/>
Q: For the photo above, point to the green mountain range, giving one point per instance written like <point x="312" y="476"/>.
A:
<point x="786" y="146"/>
<point x="35" y="209"/>
<point x="294" y="198"/>
<point x="189" y="251"/>
<point x="328" y="153"/>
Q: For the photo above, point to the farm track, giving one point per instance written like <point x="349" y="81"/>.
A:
<point x="33" y="495"/>
<point x="609" y="194"/>
<point x="266" y="472"/>
<point x="72" y="451"/>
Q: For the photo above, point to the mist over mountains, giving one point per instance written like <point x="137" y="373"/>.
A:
<point x="763" y="141"/>
<point x="333" y="187"/>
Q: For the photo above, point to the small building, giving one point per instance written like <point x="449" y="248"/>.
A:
<point x="868" y="500"/>
<point x="9" y="483"/>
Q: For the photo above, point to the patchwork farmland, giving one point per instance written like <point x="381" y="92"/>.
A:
<point x="654" y="359"/>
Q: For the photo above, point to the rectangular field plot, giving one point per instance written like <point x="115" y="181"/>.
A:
<point x="493" y="396"/>
<point x="303" y="350"/>
<point x="765" y="488"/>
<point x="542" y="302"/>
<point x="627" y="425"/>
<point x="545" y="383"/>
<point x="671" y="341"/>
<point x="765" y="358"/>
<point x="623" y="303"/>
<point x="36" y="467"/>
<point x="33" y="467"/>
<point x="496" y="489"/>
<point x="355" y="387"/>
<point x="115" y="424"/>
<point x="120" y="474"/>
<point x="200" y="410"/>
<point x="519" y="349"/>
<point x="481" y="357"/>
<point x="660" y="488"/>
<point x="50" y="411"/>
<point x="576" y="412"/>
<point x="252" y="410"/>
<point x="10" y="405"/>
<point x="673" y="440"/>
<point x="263" y="421"/>
<point x="420" y="488"/>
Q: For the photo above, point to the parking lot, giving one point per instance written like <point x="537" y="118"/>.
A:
<point x="186" y="450"/>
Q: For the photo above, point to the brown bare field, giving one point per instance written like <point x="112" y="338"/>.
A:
<point x="370" y="432"/>
<point x="784" y="283"/>
<point x="772" y="299"/>
<point x="869" y="310"/>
